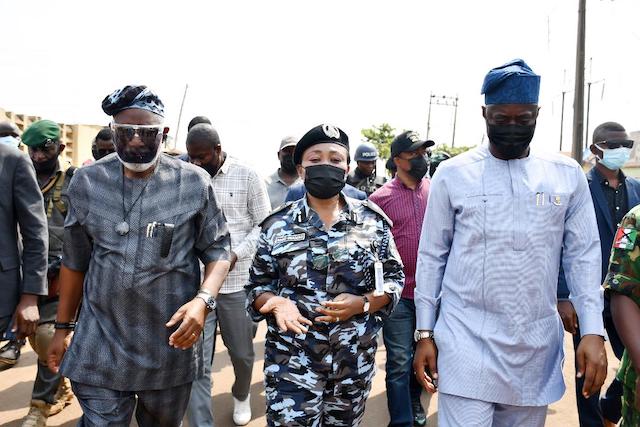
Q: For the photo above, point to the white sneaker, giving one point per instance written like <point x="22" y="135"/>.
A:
<point x="242" y="411"/>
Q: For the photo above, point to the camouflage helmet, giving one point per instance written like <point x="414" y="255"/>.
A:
<point x="366" y="152"/>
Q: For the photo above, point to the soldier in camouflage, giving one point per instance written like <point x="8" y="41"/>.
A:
<point x="313" y="278"/>
<point x="51" y="392"/>
<point x="622" y="287"/>
<point x="364" y="176"/>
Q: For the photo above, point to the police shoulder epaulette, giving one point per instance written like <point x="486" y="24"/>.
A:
<point x="377" y="209"/>
<point x="276" y="211"/>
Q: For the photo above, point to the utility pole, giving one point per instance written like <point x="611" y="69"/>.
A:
<point x="564" y="92"/>
<point x="578" y="100"/>
<point x="455" y="119"/>
<point x="184" y="96"/>
<point x="429" y="115"/>
<point x="447" y="101"/>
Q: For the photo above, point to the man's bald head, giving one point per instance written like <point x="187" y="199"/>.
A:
<point x="204" y="134"/>
<point x="8" y="128"/>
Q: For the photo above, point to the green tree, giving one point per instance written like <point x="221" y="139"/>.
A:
<point x="381" y="137"/>
<point x="452" y="151"/>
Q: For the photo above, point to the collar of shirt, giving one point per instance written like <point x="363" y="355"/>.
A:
<point x="302" y="212"/>
<point x="277" y="178"/>
<point x="604" y="181"/>
<point x="53" y="178"/>
<point x="228" y="161"/>
<point x="397" y="183"/>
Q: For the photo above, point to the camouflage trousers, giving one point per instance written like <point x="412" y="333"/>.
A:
<point x="318" y="380"/>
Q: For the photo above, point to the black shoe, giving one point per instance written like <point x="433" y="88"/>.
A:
<point x="9" y="354"/>
<point x="419" y="416"/>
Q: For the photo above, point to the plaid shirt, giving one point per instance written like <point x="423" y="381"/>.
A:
<point x="243" y="198"/>
<point x="130" y="290"/>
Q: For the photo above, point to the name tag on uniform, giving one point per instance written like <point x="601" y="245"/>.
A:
<point x="625" y="239"/>
<point x="281" y="238"/>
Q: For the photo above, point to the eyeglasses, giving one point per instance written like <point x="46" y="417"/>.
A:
<point x="617" y="143"/>
<point x="146" y="133"/>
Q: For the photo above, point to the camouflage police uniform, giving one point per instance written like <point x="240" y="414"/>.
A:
<point x="368" y="184"/>
<point x="624" y="278"/>
<point x="322" y="377"/>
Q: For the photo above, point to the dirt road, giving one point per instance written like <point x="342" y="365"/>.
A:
<point x="16" y="383"/>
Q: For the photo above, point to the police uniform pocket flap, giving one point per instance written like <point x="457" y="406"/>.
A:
<point x="288" y="243"/>
<point x="9" y="263"/>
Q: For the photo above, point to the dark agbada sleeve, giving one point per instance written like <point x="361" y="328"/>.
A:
<point x="77" y="246"/>
<point x="263" y="275"/>
<point x="623" y="276"/>
<point x="212" y="240"/>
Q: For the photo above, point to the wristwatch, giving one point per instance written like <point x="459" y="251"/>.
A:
<point x="209" y="300"/>
<point x="422" y="335"/>
<point x="365" y="307"/>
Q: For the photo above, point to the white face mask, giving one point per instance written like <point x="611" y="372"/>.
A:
<point x="614" y="159"/>
<point x="141" y="167"/>
<point x="10" y="140"/>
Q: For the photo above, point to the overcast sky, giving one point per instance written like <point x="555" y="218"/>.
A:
<point x="265" y="69"/>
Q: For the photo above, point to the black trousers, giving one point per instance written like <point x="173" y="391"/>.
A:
<point x="592" y="411"/>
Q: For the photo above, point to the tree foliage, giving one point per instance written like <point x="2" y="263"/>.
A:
<point x="381" y="137"/>
<point x="452" y="151"/>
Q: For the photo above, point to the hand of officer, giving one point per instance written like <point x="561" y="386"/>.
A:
<point x="568" y="316"/>
<point x="192" y="315"/>
<point x="343" y="307"/>
<point x="426" y="356"/>
<point x="592" y="363"/>
<point x="287" y="315"/>
<point x="57" y="348"/>
<point x="27" y="316"/>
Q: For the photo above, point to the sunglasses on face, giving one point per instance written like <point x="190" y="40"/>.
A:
<point x="146" y="133"/>
<point x="617" y="143"/>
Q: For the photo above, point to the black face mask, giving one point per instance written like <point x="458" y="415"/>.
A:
<point x="46" y="166"/>
<point x="324" y="181"/>
<point x="287" y="165"/>
<point x="419" y="167"/>
<point x="510" y="141"/>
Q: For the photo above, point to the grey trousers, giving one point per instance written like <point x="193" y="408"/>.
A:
<point x="102" y="407"/>
<point x="237" y="332"/>
<point x="456" y="411"/>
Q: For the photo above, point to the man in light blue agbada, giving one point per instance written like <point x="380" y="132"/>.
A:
<point x="488" y="260"/>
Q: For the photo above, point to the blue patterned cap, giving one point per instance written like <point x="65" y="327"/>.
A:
<point x="128" y="97"/>
<point x="511" y="83"/>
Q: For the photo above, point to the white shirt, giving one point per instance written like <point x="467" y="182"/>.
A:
<point x="489" y="257"/>
<point x="243" y="198"/>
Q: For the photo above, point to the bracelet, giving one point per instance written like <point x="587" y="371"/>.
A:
<point x="64" y="325"/>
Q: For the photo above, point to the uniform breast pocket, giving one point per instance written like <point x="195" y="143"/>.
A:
<point x="353" y="267"/>
<point x="291" y="257"/>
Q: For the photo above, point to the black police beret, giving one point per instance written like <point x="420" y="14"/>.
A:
<point x="318" y="135"/>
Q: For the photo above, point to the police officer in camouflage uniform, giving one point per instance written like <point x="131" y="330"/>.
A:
<point x="364" y="177"/>
<point x="313" y="279"/>
<point x="51" y="392"/>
